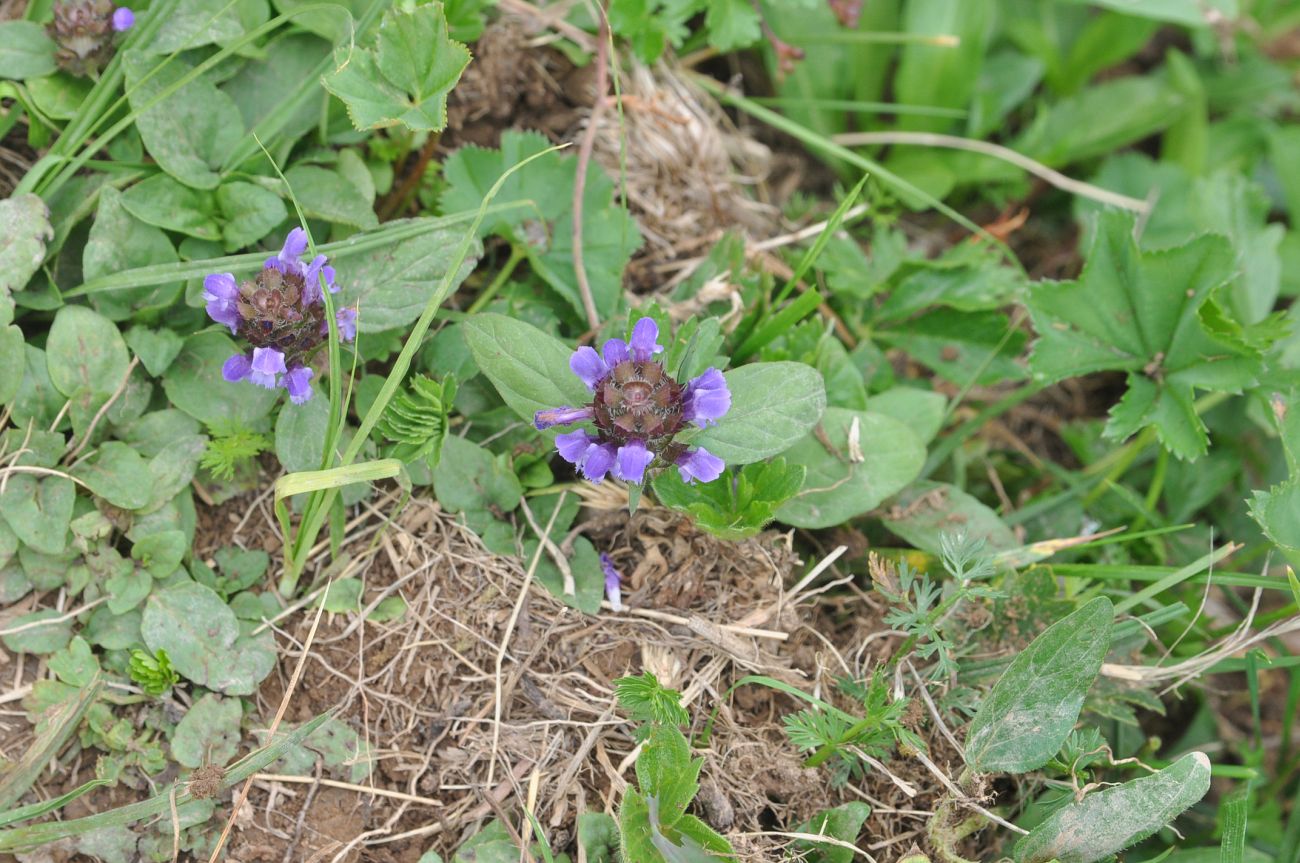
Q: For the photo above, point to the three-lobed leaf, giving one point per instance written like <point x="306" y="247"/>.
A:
<point x="1032" y="708"/>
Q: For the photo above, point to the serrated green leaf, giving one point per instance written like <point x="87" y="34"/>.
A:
<point x="1032" y="708"/>
<point x="1140" y="312"/>
<point x="1111" y="820"/>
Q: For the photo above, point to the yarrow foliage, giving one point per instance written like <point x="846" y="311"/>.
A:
<point x="637" y="410"/>
<point x="281" y="313"/>
<point x="83" y="31"/>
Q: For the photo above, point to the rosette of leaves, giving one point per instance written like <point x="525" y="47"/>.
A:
<point x="415" y="420"/>
<point x="154" y="674"/>
<point x="735" y="505"/>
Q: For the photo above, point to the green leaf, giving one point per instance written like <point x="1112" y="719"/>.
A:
<point x="119" y="241"/>
<point x="12" y="358"/>
<point x="732" y="24"/>
<point x="208" y="733"/>
<point x="241" y="568"/>
<point x="160" y="553"/>
<point x="1032" y="708"/>
<point x="127" y="588"/>
<point x="408" y="75"/>
<point x="957" y="345"/>
<point x="326" y="194"/>
<point x="189" y="132"/>
<point x="844" y="822"/>
<point x="733" y="506"/>
<point x="469" y="477"/>
<point x="85" y="352"/>
<point x="24" y="230"/>
<point x="195" y="23"/>
<point x="925" y="511"/>
<point x="942" y="75"/>
<point x="201" y="635"/>
<point x="38" y="510"/>
<point x="1111" y="820"/>
<point x="492" y="844"/>
<point x="528" y="367"/>
<point x="1278" y="513"/>
<point x="1141" y="312"/>
<point x="25" y="52"/>
<point x="300" y="432"/>
<point x="155" y="348"/>
<point x="250" y="212"/>
<point x="392" y="284"/>
<point x="164" y="203"/>
<point x="42" y="638"/>
<point x="75" y="665"/>
<point x="773" y="405"/>
<point x="920" y="410"/>
<point x="194" y="384"/>
<point x="117" y="474"/>
<point x="837" y="487"/>
<point x="598" y="837"/>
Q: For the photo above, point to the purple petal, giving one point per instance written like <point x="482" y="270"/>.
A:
<point x="645" y="337"/>
<point x="267" y="363"/>
<point x="220" y="286"/>
<point x="600" y="458"/>
<point x="615" y="352"/>
<point x="699" y="464"/>
<point x="347" y="321"/>
<point x="613" y="583"/>
<point x="573" y="446"/>
<point x="236" y="368"/>
<point x="297" y="382"/>
<point x="565" y="416"/>
<point x="707" y="399"/>
<point x="588" y="366"/>
<point x="318" y="267"/>
<point x="123" y="19"/>
<point x="633" y="458"/>
<point x="294" y="246"/>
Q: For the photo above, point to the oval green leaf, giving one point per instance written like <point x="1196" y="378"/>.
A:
<point x="773" y="405"/>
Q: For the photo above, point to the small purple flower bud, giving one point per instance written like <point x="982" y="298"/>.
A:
<point x="615" y="352"/>
<point x="613" y="583"/>
<point x="699" y="465"/>
<point x="565" y="416"/>
<point x="237" y="368"/>
<point x="599" y="460"/>
<point x="588" y="365"/>
<point x="645" y="340"/>
<point x="123" y="19"/>
<point x="573" y="446"/>
<point x="633" y="458"/>
<point x="347" y="321"/>
<point x="267" y="363"/>
<point x="707" y="399"/>
<point x="221" y="292"/>
<point x="297" y="382"/>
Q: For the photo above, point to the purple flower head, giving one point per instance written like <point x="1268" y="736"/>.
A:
<point x="297" y="382"/>
<point x="221" y="292"/>
<point x="281" y="314"/>
<point x="613" y="583"/>
<point x="123" y="19"/>
<point x="637" y="409"/>
<point x="267" y="363"/>
<point x="564" y="416"/>
<point x="707" y="399"/>
<point x="699" y="465"/>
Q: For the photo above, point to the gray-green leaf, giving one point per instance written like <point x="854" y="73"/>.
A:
<point x="1034" y="705"/>
<point x="24" y="229"/>
<point x="201" y="635"/>
<point x="773" y="405"/>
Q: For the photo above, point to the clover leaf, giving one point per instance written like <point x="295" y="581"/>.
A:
<point x="1152" y="315"/>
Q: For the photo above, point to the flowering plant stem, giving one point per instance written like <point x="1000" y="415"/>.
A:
<point x="320" y="501"/>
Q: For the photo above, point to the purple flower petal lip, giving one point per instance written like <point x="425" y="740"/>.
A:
<point x="267" y="363"/>
<point x="699" y="465"/>
<point x="221" y="292"/>
<point x="565" y="416"/>
<point x="123" y="19"/>
<point x="573" y="446"/>
<point x="599" y="460"/>
<point x="297" y="382"/>
<point x="347" y="321"/>
<point x="645" y="340"/>
<point x="707" y="399"/>
<point x="311" y="278"/>
<point x="615" y="352"/>
<point x="613" y="583"/>
<point x="237" y="368"/>
<point x="633" y="458"/>
<point x="588" y="366"/>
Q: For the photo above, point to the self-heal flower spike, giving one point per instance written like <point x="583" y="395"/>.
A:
<point x="82" y="31"/>
<point x="637" y="409"/>
<point x="281" y="313"/>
